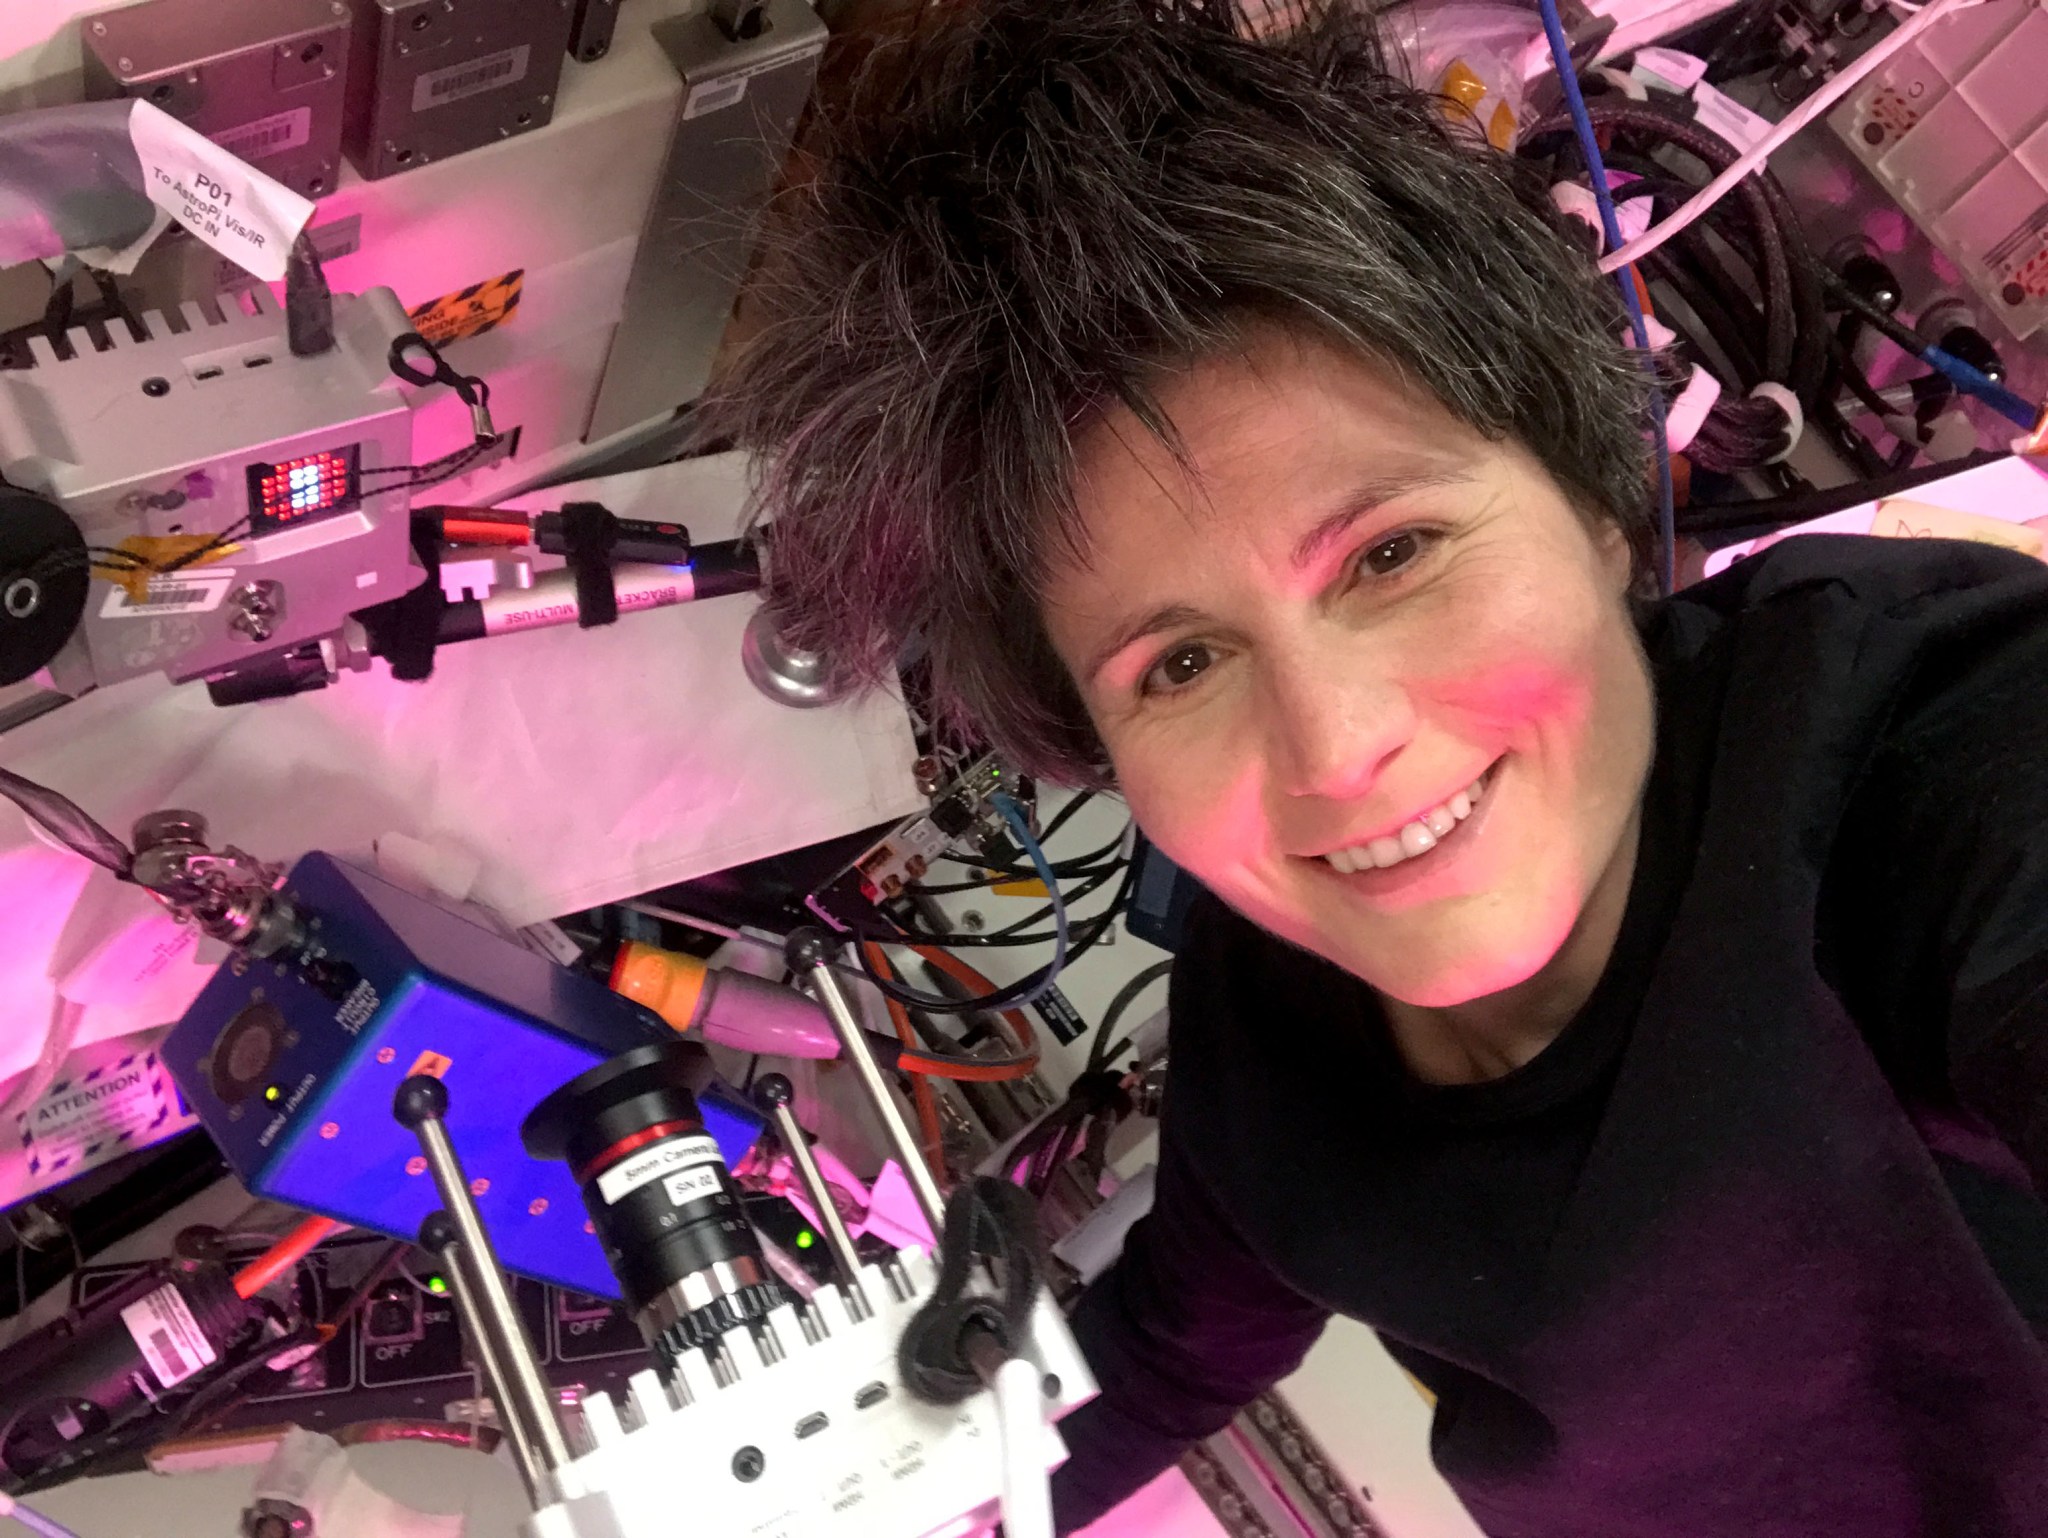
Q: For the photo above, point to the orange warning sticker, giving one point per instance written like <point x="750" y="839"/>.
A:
<point x="432" y="1064"/>
<point x="479" y="308"/>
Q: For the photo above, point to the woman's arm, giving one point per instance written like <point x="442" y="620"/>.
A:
<point x="1183" y="1331"/>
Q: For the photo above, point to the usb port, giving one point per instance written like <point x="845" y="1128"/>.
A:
<point x="203" y="375"/>
<point x="261" y="360"/>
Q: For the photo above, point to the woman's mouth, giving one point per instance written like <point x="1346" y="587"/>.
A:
<point x="1415" y="838"/>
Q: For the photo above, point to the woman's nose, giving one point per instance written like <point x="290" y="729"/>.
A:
<point x="1333" y="726"/>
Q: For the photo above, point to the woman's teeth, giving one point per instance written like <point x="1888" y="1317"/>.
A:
<point x="1418" y="837"/>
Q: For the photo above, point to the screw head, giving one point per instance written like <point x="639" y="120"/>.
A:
<point x="416" y="1165"/>
<point x="386" y="1055"/>
<point x="747" y="1465"/>
<point x="330" y="1129"/>
<point x="479" y="1186"/>
<point x="124" y="65"/>
<point x="99" y="28"/>
<point x="537" y="1206"/>
<point x="156" y="388"/>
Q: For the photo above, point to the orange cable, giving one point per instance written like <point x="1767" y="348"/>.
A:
<point x="283" y="1255"/>
<point x="965" y="1068"/>
<point x="920" y="1091"/>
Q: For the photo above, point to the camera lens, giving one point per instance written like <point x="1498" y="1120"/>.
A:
<point x="659" y="1195"/>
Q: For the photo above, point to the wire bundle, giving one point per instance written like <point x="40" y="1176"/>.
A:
<point x="1748" y="287"/>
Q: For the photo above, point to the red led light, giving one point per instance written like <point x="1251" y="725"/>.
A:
<point x="297" y="489"/>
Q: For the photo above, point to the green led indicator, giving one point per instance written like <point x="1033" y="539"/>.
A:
<point x="436" y="1286"/>
<point x="806" y="1239"/>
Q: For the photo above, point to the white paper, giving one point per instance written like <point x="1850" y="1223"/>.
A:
<point x="247" y="216"/>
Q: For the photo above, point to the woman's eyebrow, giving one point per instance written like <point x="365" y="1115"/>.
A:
<point x="1368" y="499"/>
<point x="1167" y="617"/>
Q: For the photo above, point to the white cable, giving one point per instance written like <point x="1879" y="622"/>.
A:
<point x="1754" y="157"/>
<point x="1795" y="418"/>
<point x="1020" y="1420"/>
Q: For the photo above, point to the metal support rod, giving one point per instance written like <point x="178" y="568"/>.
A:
<point x="422" y="1106"/>
<point x="438" y="1238"/>
<point x="810" y="954"/>
<point x="775" y="1093"/>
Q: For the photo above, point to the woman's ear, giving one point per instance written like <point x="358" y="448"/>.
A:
<point x="1617" y="556"/>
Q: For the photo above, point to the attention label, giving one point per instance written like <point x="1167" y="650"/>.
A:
<point x="168" y="1336"/>
<point x="621" y="1180"/>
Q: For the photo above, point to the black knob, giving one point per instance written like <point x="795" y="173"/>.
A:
<point x="437" y="1232"/>
<point x="1873" y="280"/>
<point x="772" y="1092"/>
<point x="420" y="1099"/>
<point x="1975" y="349"/>
<point x="808" y="949"/>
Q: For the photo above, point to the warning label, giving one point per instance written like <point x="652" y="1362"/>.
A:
<point x="479" y="308"/>
<point x="109" y="1107"/>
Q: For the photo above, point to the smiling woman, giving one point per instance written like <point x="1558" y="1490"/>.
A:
<point x="1632" y="1009"/>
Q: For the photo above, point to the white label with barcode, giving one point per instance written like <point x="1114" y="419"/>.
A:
<point x="493" y="71"/>
<point x="168" y="1336"/>
<point x="694" y="1185"/>
<point x="628" y="1176"/>
<point x="268" y="136"/>
<point x="171" y="593"/>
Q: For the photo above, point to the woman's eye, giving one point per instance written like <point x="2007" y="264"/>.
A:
<point x="1391" y="553"/>
<point x="1176" y="669"/>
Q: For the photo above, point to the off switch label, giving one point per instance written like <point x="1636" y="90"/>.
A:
<point x="682" y="1156"/>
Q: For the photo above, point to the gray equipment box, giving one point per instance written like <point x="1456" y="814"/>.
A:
<point x="432" y="78"/>
<point x="210" y="426"/>
<point x="262" y="78"/>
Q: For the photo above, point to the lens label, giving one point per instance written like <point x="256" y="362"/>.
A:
<point x="671" y="1158"/>
<point x="694" y="1185"/>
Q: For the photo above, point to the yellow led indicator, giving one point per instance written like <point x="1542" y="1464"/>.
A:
<point x="806" y="1239"/>
<point x="273" y="1094"/>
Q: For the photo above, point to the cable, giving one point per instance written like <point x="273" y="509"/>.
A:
<point x="36" y="1522"/>
<point x="1100" y="1054"/>
<point x="1780" y="512"/>
<point x="1039" y="983"/>
<point x="283" y="1255"/>
<point x="1568" y="78"/>
<point x="1621" y="256"/>
<point x="2007" y="403"/>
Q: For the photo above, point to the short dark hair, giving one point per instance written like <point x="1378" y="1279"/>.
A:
<point x="1025" y="212"/>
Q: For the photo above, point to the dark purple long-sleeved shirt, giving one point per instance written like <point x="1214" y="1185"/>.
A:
<point x="1752" y="1249"/>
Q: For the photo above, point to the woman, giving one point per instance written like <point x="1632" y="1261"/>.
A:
<point x="1630" y="1009"/>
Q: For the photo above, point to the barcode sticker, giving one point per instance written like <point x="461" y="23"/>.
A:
<point x="268" y="136"/>
<point x="1727" y="117"/>
<point x="694" y="1185"/>
<point x="168" y="1337"/>
<point x="684" y="1154"/>
<point x="437" y="88"/>
<point x="714" y="96"/>
<point x="174" y="593"/>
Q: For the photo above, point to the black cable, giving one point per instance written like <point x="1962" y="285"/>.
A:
<point x="1778" y="512"/>
<point x="1100" y="1053"/>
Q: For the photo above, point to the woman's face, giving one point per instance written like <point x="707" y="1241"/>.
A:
<point x="1366" y="674"/>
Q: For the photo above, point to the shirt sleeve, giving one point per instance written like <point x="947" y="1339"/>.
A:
<point x="1940" y="881"/>
<point x="1187" y="1328"/>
